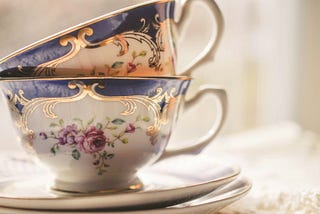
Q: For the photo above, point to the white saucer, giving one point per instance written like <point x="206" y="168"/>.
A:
<point x="210" y="203"/>
<point x="167" y="183"/>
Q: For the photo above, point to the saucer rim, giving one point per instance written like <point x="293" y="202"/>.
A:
<point x="194" y="191"/>
<point x="212" y="204"/>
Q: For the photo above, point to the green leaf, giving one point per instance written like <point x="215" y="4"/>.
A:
<point x="53" y="151"/>
<point x="134" y="54"/>
<point x="90" y="121"/>
<point x="138" y="118"/>
<point x="78" y="120"/>
<point x="108" y="119"/>
<point x="110" y="156"/>
<point x="99" y="126"/>
<point x="61" y="122"/>
<point x="117" y="65"/>
<point x="54" y="125"/>
<point x="146" y="119"/>
<point x="118" y="121"/>
<point x="76" y="154"/>
<point x="112" y="127"/>
<point x="143" y="53"/>
<point x="125" y="140"/>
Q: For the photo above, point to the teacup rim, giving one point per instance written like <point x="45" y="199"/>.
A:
<point x="79" y="26"/>
<point x="59" y="78"/>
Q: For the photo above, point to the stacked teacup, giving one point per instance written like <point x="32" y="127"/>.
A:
<point x="97" y="102"/>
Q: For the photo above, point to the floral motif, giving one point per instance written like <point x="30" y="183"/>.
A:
<point x="119" y="67"/>
<point x="90" y="139"/>
<point x="93" y="140"/>
<point x="67" y="135"/>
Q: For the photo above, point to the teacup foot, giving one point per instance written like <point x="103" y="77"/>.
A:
<point x="100" y="187"/>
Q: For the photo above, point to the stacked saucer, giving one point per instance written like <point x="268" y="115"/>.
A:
<point x="183" y="184"/>
<point x="96" y="105"/>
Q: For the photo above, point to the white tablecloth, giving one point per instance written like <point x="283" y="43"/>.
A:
<point x="283" y="163"/>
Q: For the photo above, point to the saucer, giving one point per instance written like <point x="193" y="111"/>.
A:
<point x="210" y="203"/>
<point x="166" y="183"/>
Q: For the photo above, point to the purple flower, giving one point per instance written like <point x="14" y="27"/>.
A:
<point x="43" y="136"/>
<point x="67" y="135"/>
<point x="131" y="128"/>
<point x="93" y="140"/>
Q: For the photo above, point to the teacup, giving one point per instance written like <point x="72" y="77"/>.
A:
<point x="135" y="41"/>
<point x="94" y="134"/>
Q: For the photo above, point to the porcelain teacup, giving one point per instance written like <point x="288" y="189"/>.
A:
<point x="138" y="40"/>
<point x="94" y="134"/>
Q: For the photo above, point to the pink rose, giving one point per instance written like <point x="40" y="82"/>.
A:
<point x="131" y="67"/>
<point x="130" y="129"/>
<point x="93" y="140"/>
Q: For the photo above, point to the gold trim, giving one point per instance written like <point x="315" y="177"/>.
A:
<point x="79" y="26"/>
<point x="57" y="78"/>
<point x="129" y="102"/>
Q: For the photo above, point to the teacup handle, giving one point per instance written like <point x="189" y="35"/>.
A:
<point x="202" y="142"/>
<point x="208" y="52"/>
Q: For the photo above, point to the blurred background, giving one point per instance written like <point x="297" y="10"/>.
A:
<point x="268" y="60"/>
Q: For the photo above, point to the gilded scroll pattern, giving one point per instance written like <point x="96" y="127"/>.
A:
<point x="158" y="104"/>
<point x="121" y="41"/>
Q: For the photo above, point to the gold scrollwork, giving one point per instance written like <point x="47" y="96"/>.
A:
<point x="77" y="43"/>
<point x="153" y="104"/>
<point x="120" y="40"/>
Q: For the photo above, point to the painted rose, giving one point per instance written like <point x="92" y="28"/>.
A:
<point x="130" y="128"/>
<point x="93" y="140"/>
<point x="131" y="67"/>
<point x="67" y="135"/>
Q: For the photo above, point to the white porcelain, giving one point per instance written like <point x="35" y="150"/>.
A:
<point x="94" y="134"/>
<point x="27" y="186"/>
<point x="210" y="203"/>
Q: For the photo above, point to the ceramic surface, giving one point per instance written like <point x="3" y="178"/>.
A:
<point x="135" y="41"/>
<point x="95" y="134"/>
<point x="209" y="204"/>
<point x="166" y="184"/>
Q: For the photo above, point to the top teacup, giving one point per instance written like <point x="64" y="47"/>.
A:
<point x="134" y="41"/>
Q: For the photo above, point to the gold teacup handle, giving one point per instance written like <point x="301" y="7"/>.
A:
<point x="202" y="142"/>
<point x="207" y="54"/>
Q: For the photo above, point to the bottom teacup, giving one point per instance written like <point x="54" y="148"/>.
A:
<point x="94" y="134"/>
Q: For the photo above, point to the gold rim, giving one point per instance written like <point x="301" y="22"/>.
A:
<point x="79" y="26"/>
<point x="92" y="78"/>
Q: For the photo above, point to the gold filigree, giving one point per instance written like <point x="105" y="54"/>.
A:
<point x="121" y="41"/>
<point x="158" y="104"/>
<point x="77" y="43"/>
<point x="161" y="28"/>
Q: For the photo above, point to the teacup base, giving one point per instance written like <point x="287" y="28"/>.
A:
<point x="100" y="187"/>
